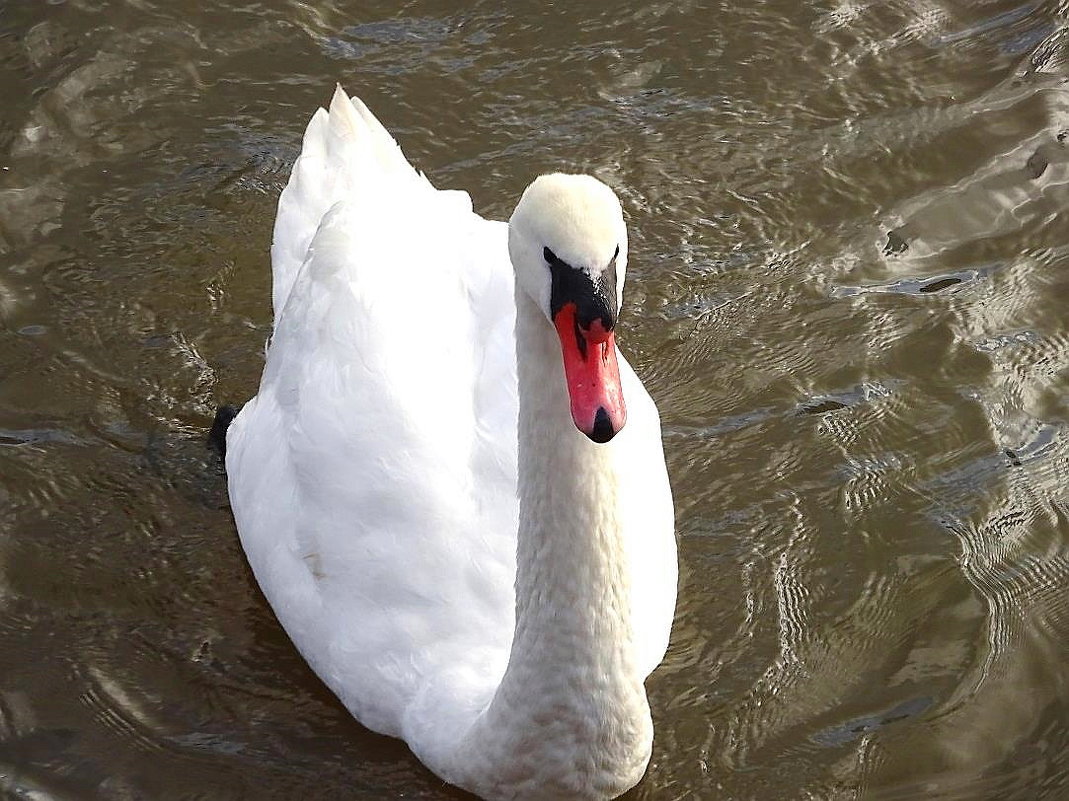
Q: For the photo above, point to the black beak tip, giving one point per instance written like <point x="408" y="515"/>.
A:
<point x="602" y="431"/>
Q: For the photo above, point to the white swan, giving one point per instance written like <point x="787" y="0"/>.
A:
<point x="457" y="562"/>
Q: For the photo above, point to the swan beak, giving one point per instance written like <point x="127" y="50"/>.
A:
<point x="592" y="374"/>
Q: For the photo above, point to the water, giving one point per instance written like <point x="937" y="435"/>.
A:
<point x="848" y="294"/>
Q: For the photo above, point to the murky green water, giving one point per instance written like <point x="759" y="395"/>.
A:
<point x="849" y="293"/>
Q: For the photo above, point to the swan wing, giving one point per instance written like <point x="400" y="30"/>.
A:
<point x="373" y="476"/>
<point x="648" y="522"/>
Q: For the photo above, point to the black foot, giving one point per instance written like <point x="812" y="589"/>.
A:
<point x="224" y="416"/>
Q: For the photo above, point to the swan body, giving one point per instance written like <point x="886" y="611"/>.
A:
<point x="461" y="564"/>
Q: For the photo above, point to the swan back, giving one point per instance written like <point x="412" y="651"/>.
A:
<point x="372" y="484"/>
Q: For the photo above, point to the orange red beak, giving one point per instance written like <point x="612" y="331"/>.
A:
<point x="592" y="374"/>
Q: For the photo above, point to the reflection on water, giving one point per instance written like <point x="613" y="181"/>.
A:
<point x="848" y="296"/>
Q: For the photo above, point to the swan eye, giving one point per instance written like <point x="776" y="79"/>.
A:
<point x="614" y="255"/>
<point x="550" y="256"/>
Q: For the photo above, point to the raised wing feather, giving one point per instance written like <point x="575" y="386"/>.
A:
<point x="346" y="154"/>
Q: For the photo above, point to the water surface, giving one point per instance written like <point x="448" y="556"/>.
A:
<point x="848" y="293"/>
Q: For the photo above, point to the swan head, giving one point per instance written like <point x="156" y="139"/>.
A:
<point x="568" y="245"/>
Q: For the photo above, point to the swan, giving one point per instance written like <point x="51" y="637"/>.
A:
<point x="451" y="485"/>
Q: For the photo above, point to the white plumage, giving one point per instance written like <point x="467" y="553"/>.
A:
<point x="375" y="479"/>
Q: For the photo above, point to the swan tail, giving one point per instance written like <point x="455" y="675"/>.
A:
<point x="346" y="155"/>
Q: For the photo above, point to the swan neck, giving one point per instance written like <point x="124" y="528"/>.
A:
<point x="570" y="569"/>
<point x="572" y="667"/>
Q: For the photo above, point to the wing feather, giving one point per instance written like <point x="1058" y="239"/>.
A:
<point x="374" y="492"/>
